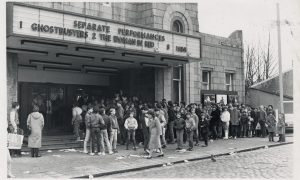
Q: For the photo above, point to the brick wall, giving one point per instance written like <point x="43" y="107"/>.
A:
<point x="12" y="79"/>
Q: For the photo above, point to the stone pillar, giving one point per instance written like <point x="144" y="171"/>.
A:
<point x="12" y="79"/>
<point x="163" y="84"/>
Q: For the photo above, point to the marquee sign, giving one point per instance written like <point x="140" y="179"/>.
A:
<point x="68" y="27"/>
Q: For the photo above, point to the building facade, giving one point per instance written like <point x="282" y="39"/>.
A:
<point x="57" y="50"/>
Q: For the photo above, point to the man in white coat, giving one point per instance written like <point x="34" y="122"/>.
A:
<point x="225" y="117"/>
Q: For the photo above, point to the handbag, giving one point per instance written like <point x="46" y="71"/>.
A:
<point x="15" y="141"/>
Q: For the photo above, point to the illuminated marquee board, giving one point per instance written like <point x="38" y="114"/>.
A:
<point x="67" y="27"/>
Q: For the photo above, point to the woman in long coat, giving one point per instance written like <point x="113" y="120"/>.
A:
<point x="155" y="131"/>
<point x="35" y="123"/>
<point x="271" y="123"/>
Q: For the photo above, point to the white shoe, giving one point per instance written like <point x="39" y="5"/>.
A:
<point x="110" y="153"/>
<point x="99" y="154"/>
<point x="85" y="152"/>
<point x="92" y="154"/>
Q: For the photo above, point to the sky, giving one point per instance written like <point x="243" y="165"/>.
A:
<point x="256" y="18"/>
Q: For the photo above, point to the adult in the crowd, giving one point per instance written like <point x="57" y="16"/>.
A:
<point x="35" y="123"/>
<point x="253" y="113"/>
<point x="87" y="119"/>
<point x="76" y="119"/>
<point x="155" y="131"/>
<point x="271" y="110"/>
<point x="215" y="121"/>
<point x="104" y="125"/>
<point x="145" y="128"/>
<point x="172" y="117"/>
<point x="234" y="120"/>
<point x="225" y="117"/>
<point x="120" y="117"/>
<point x="13" y="126"/>
<point x="163" y="122"/>
<point x="114" y="129"/>
<point x="261" y="114"/>
<point x="244" y="123"/>
<point x="196" y="119"/>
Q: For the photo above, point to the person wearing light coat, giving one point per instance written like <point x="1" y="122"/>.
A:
<point x="225" y="117"/>
<point x="35" y="123"/>
<point x="155" y="131"/>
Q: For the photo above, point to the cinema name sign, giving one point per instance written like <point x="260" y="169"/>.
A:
<point x="69" y="27"/>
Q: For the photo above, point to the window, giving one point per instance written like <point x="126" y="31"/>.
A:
<point x="177" y="84"/>
<point x="229" y="81"/>
<point x="206" y="80"/>
<point x="177" y="26"/>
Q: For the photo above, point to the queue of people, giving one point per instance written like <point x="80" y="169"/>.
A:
<point x="161" y="123"/>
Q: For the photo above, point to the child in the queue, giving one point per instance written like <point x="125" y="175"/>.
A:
<point x="179" y="125"/>
<point x="131" y="125"/>
<point x="271" y="125"/>
<point x="204" y="126"/>
<point x="114" y="131"/>
<point x="281" y="127"/>
<point x="190" y="127"/>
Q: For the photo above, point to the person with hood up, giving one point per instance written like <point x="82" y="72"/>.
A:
<point x="35" y="123"/>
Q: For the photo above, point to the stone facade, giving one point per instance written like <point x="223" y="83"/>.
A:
<point x="219" y="54"/>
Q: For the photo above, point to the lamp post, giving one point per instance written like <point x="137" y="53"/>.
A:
<point x="280" y="64"/>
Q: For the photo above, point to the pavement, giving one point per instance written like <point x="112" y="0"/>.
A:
<point x="73" y="163"/>
<point x="262" y="163"/>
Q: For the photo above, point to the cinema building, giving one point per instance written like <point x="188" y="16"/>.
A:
<point x="58" y="50"/>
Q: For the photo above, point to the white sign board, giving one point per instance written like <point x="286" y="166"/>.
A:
<point x="67" y="27"/>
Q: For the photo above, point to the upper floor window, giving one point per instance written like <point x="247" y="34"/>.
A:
<point x="229" y="81"/>
<point x="205" y="80"/>
<point x="177" y="26"/>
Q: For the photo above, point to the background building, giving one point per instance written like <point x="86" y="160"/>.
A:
<point x="267" y="92"/>
<point x="51" y="69"/>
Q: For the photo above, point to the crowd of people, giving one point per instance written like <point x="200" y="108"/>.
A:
<point x="124" y="120"/>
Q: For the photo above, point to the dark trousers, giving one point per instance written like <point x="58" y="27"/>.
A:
<point x="146" y="138"/>
<point x="214" y="131"/>
<point x="234" y="130"/>
<point x="263" y="128"/>
<point x="205" y="137"/>
<point x="34" y="152"/>
<point x="170" y="131"/>
<point x="122" y="136"/>
<point x="139" y="135"/>
<point x="271" y="136"/>
<point x="190" y="135"/>
<point x="244" y="129"/>
<point x="95" y="135"/>
<point x="130" y="133"/>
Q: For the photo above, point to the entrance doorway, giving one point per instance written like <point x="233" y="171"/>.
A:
<point x="55" y="103"/>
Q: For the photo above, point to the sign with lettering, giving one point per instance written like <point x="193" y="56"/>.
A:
<point x="67" y="27"/>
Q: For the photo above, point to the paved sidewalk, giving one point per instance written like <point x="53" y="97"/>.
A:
<point x="59" y="164"/>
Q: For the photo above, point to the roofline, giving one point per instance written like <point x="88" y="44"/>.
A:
<point x="277" y="94"/>
<point x="266" y="80"/>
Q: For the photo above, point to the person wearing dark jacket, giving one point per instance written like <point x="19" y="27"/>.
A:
<point x="172" y="117"/>
<point x="145" y="127"/>
<point x="104" y="125"/>
<point x="244" y="123"/>
<point x="254" y="122"/>
<point x="94" y="124"/>
<point x="215" y="122"/>
<point x="120" y="117"/>
<point x="262" y="115"/>
<point x="179" y="125"/>
<point x="204" y="128"/>
<point x="234" y="120"/>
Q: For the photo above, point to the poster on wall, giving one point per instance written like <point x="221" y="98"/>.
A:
<point x="222" y="99"/>
<point x="233" y="99"/>
<point x="209" y="98"/>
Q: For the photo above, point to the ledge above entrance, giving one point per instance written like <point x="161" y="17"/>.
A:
<point x="61" y="35"/>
